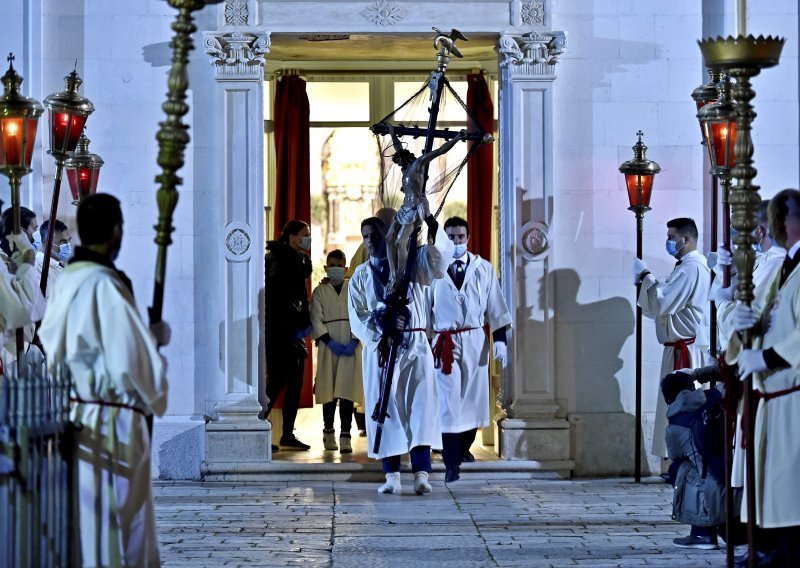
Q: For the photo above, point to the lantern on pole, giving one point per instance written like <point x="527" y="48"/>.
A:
<point x="19" y="117"/>
<point x="83" y="171"/>
<point x="68" y="112"/>
<point x="639" y="176"/>
<point x="718" y="124"/>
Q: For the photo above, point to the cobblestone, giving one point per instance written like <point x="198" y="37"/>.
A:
<point x="472" y="523"/>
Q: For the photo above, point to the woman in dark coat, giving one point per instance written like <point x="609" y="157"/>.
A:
<point x="287" y="269"/>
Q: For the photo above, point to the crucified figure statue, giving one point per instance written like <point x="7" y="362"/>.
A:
<point x="415" y="206"/>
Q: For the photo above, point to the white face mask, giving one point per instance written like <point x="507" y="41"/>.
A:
<point x="459" y="250"/>
<point x="305" y="243"/>
<point x="336" y="273"/>
<point x="37" y="240"/>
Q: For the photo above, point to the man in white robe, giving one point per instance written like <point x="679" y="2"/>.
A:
<point x="412" y="424"/>
<point x="774" y="363"/>
<point x="678" y="305"/>
<point x="462" y="304"/>
<point x="21" y="301"/>
<point x="93" y="327"/>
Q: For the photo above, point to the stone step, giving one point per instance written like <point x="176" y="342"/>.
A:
<point x="371" y="471"/>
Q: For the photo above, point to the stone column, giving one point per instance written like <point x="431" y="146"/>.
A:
<point x="236" y="431"/>
<point x="534" y="426"/>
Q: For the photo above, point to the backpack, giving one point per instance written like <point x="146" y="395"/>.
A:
<point x="708" y="434"/>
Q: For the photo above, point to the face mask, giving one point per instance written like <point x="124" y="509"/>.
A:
<point x="459" y="250"/>
<point x="37" y="241"/>
<point x="64" y="252"/>
<point x="305" y="243"/>
<point x="672" y="247"/>
<point x="336" y="273"/>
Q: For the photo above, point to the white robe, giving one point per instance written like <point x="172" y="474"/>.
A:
<point x="777" y="423"/>
<point x="464" y="393"/>
<point x="337" y="377"/>
<point x="766" y="265"/>
<point x="679" y="307"/>
<point x="52" y="275"/>
<point x="21" y="304"/>
<point x="414" y="407"/>
<point x="92" y="325"/>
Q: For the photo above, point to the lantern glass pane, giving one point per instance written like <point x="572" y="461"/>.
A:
<point x="72" y="178"/>
<point x="65" y="129"/>
<point x="30" y="139"/>
<point x="724" y="138"/>
<point x="12" y="141"/>
<point x="636" y="197"/>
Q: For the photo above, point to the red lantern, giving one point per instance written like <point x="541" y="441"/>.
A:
<point x="83" y="171"/>
<point x="68" y="112"/>
<point x="639" y="174"/>
<point x="19" y="117"/>
<point x="718" y="123"/>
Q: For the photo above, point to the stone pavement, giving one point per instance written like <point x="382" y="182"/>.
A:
<point x="471" y="523"/>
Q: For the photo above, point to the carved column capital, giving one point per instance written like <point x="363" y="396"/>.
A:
<point x="238" y="55"/>
<point x="534" y="53"/>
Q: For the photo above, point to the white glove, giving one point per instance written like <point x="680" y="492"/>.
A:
<point x="639" y="266"/>
<point x="162" y="332"/>
<point x="501" y="353"/>
<point x="751" y="361"/>
<point x="21" y="241"/>
<point x="724" y="257"/>
<point x="743" y="317"/>
<point x="719" y="294"/>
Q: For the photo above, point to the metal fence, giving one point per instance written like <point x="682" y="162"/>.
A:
<point x="35" y="457"/>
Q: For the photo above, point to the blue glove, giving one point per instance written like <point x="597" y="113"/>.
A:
<point x="337" y="348"/>
<point x="350" y="348"/>
<point x="302" y="333"/>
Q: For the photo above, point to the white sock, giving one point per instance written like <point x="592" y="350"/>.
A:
<point x="421" y="484"/>
<point x="392" y="484"/>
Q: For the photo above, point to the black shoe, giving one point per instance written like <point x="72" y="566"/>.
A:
<point x="436" y="452"/>
<point x="468" y="457"/>
<point x="294" y="444"/>
<point x="667" y="478"/>
<point x="452" y="474"/>
<point x="274" y="448"/>
<point x="763" y="560"/>
<point x="698" y="542"/>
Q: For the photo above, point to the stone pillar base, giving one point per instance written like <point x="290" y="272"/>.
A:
<point x="238" y="435"/>
<point x="544" y="440"/>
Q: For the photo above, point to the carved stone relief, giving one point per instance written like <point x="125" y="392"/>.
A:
<point x="238" y="240"/>
<point x="236" y="13"/>
<point x="384" y="13"/>
<point x="533" y="12"/>
<point x="237" y="55"/>
<point x="534" y="53"/>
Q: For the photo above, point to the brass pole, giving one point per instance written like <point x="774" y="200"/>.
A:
<point x="16" y="228"/>
<point x="173" y="137"/>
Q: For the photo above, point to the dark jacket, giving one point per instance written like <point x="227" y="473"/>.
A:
<point x="699" y="497"/>
<point x="285" y="292"/>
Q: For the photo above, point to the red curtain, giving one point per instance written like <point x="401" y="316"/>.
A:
<point x="480" y="169"/>
<point x="293" y="186"/>
<point x="293" y="179"/>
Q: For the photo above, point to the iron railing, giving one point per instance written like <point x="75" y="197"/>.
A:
<point x="35" y="461"/>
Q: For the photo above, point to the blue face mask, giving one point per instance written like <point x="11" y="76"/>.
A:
<point x="305" y="243"/>
<point x="37" y="241"/>
<point x="336" y="273"/>
<point x="64" y="252"/>
<point x="672" y="247"/>
<point x="758" y="247"/>
<point x="459" y="250"/>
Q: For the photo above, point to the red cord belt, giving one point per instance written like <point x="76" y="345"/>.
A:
<point x="444" y="347"/>
<point x="681" y="359"/>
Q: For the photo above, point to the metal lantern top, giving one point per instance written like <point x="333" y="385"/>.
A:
<point x="639" y="174"/>
<point x="68" y="113"/>
<point x="19" y="117"/>
<point x="718" y="123"/>
<point x="749" y="52"/>
<point x="707" y="92"/>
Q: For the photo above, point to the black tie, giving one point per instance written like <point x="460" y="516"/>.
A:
<point x="788" y="267"/>
<point x="457" y="273"/>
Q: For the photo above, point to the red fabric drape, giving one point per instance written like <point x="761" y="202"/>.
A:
<point x="293" y="179"/>
<point x="293" y="174"/>
<point x="480" y="169"/>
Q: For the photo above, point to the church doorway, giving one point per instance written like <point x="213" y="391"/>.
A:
<point x="346" y="96"/>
